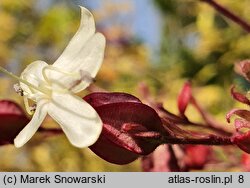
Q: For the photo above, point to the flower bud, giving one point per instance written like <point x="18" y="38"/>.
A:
<point x="184" y="97"/>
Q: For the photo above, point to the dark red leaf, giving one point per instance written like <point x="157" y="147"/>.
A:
<point x="132" y="128"/>
<point x="242" y="141"/>
<point x="12" y="119"/>
<point x="148" y="134"/>
<point x="115" y="115"/>
<point x="112" y="153"/>
<point x="184" y="97"/>
<point x="170" y="117"/>
<point x="102" y="98"/>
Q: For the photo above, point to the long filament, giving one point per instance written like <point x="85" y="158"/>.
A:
<point x="27" y="106"/>
<point x="23" y="81"/>
<point x="56" y="70"/>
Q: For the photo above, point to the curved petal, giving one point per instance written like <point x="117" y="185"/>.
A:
<point x="80" y="122"/>
<point x="89" y="60"/>
<point x="84" y="54"/>
<point x="33" y="74"/>
<point x="85" y="31"/>
<point x="30" y="129"/>
<point x="85" y="64"/>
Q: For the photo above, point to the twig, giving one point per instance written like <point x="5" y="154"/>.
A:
<point x="206" y="140"/>
<point x="238" y="20"/>
<point x="210" y="124"/>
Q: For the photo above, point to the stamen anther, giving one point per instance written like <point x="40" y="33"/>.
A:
<point x="21" y="80"/>
<point x="18" y="89"/>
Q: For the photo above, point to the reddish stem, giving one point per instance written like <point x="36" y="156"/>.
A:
<point x="180" y="136"/>
<point x="210" y="124"/>
<point x="238" y="20"/>
<point x="207" y="140"/>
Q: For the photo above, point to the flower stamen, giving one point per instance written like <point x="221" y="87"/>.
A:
<point x="84" y="76"/>
<point x="29" y="109"/>
<point x="49" y="67"/>
<point x="42" y="90"/>
<point x="18" y="89"/>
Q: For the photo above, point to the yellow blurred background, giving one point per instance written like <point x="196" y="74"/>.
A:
<point x="196" y="43"/>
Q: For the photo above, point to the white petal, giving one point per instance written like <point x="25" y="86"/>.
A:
<point x="85" y="31"/>
<point x="80" y="122"/>
<point x="30" y="129"/>
<point x="85" y="53"/>
<point x="89" y="60"/>
<point x="33" y="74"/>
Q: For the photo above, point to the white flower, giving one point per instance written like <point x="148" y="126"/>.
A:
<point x="52" y="87"/>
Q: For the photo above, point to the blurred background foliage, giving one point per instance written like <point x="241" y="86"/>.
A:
<point x="197" y="43"/>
